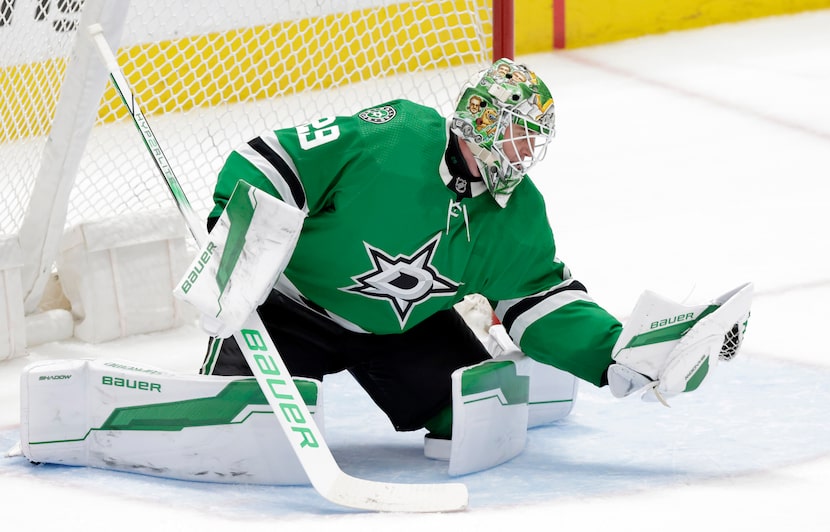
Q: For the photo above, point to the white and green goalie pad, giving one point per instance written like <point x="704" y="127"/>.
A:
<point x="245" y="253"/>
<point x="123" y="416"/>
<point x="494" y="403"/>
<point x="669" y="348"/>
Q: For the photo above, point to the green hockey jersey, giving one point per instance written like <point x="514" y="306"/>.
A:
<point x="392" y="236"/>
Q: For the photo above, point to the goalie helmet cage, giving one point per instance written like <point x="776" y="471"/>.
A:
<point x="211" y="74"/>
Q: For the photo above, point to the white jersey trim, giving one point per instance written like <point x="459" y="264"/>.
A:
<point x="536" y="312"/>
<point x="268" y="169"/>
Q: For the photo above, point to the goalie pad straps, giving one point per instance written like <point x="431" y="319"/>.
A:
<point x="670" y="348"/>
<point x="242" y="258"/>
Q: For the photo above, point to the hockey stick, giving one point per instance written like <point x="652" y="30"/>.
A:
<point x="273" y="376"/>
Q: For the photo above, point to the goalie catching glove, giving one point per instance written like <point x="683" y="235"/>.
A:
<point x="245" y="253"/>
<point x="668" y="348"/>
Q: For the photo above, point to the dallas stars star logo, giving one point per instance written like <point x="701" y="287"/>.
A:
<point x="378" y="115"/>
<point x="404" y="281"/>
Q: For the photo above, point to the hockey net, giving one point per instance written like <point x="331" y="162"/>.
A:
<point x="209" y="75"/>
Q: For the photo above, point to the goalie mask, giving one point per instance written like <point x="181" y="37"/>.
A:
<point x="505" y="115"/>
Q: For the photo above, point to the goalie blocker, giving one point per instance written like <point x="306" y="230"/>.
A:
<point x="240" y="261"/>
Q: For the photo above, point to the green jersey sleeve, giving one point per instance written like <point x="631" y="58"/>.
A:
<point x="547" y="312"/>
<point x="299" y="165"/>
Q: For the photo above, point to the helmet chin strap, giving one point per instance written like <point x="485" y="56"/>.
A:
<point x="482" y="156"/>
<point x="485" y="159"/>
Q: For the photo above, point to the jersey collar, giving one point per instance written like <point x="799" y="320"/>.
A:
<point x="455" y="174"/>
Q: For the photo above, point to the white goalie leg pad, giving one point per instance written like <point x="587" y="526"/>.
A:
<point x="121" y="416"/>
<point x="552" y="391"/>
<point x="489" y="416"/>
<point x="496" y="402"/>
<point x="241" y="259"/>
<point x="670" y="348"/>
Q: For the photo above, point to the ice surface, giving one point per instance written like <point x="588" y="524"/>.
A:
<point x="685" y="163"/>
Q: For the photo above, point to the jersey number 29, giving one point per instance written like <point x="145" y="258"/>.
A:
<point x="317" y="132"/>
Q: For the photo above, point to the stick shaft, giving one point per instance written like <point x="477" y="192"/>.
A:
<point x="164" y="167"/>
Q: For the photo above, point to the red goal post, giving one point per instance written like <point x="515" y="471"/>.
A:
<point x="211" y="74"/>
<point x="503" y="29"/>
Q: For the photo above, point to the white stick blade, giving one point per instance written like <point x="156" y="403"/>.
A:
<point x="363" y="494"/>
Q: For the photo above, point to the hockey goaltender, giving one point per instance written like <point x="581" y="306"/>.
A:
<point x="357" y="238"/>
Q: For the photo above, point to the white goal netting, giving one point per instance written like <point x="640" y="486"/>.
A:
<point x="209" y="75"/>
